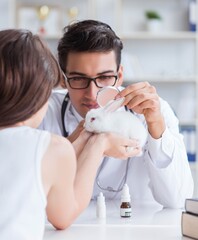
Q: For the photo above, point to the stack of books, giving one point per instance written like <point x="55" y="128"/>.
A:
<point x="189" y="223"/>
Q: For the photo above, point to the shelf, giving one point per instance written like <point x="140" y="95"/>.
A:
<point x="193" y="166"/>
<point x="53" y="37"/>
<point x="162" y="79"/>
<point x="145" y="36"/>
<point x="187" y="123"/>
<point x="160" y="35"/>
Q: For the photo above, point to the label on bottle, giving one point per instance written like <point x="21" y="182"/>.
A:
<point x="101" y="212"/>
<point x="125" y="212"/>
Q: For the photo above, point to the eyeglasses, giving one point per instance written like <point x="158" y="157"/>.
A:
<point x="84" y="82"/>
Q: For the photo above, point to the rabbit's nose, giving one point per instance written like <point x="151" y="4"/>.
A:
<point x="92" y="119"/>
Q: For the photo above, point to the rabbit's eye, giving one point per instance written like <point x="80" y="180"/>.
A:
<point x="92" y="119"/>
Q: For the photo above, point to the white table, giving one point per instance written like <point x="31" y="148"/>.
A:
<point x="148" y="221"/>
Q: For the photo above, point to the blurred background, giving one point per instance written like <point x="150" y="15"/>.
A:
<point x="160" y="45"/>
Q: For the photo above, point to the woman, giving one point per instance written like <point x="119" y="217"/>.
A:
<point x="39" y="172"/>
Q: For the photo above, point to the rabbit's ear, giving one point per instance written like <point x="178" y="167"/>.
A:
<point x="113" y="105"/>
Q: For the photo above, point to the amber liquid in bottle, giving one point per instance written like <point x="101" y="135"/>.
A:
<point x="125" y="209"/>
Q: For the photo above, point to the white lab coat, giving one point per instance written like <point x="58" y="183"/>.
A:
<point x="162" y="174"/>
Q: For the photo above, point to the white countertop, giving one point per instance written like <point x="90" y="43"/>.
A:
<point x="148" y="221"/>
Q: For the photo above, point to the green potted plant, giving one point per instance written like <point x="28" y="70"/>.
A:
<point x="154" y="20"/>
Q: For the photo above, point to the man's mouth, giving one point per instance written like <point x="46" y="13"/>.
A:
<point x="91" y="105"/>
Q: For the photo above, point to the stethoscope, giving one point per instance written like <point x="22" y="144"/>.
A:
<point x="105" y="160"/>
<point x="63" y="111"/>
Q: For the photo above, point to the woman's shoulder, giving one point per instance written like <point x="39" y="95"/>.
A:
<point x="61" y="148"/>
<point x="59" y="162"/>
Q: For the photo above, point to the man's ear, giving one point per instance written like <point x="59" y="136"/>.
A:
<point x="63" y="83"/>
<point x="120" y="76"/>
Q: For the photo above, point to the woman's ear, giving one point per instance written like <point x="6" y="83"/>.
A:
<point x="120" y="76"/>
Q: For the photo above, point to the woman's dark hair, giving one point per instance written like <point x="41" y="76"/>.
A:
<point x="88" y="36"/>
<point x="28" y="72"/>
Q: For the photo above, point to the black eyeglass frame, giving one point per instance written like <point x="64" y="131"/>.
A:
<point x="68" y="79"/>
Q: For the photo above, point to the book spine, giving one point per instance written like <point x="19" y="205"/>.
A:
<point x="189" y="133"/>
<point x="192" y="15"/>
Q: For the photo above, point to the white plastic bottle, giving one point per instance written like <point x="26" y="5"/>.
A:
<point x="101" y="206"/>
<point x="125" y="207"/>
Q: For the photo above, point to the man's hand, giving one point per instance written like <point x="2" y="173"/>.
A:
<point x="115" y="145"/>
<point x="76" y="132"/>
<point x="142" y="98"/>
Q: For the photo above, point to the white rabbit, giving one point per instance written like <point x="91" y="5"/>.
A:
<point x="106" y="119"/>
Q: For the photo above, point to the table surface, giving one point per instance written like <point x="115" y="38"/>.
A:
<point x="148" y="221"/>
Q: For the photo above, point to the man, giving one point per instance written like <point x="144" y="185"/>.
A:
<point x="90" y="56"/>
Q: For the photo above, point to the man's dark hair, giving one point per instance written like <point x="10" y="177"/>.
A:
<point x="88" y="36"/>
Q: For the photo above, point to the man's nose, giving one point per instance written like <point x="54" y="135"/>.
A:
<point x="92" y="90"/>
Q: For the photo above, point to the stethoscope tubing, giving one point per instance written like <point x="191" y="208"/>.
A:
<point x="66" y="134"/>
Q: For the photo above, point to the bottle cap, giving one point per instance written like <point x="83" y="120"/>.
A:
<point x="101" y="198"/>
<point x="125" y="196"/>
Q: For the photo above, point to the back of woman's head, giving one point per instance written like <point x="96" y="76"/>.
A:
<point x="28" y="72"/>
<point x="88" y="36"/>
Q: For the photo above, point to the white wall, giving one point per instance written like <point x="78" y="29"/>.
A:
<point x="6" y="14"/>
